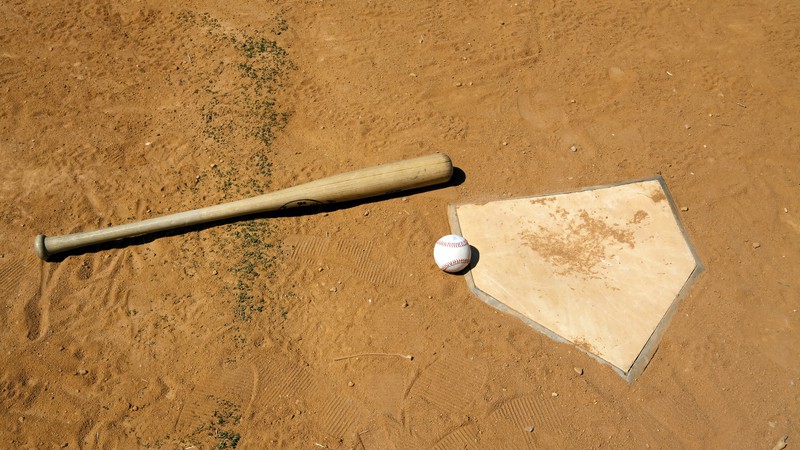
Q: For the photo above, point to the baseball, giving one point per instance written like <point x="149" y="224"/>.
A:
<point x="452" y="253"/>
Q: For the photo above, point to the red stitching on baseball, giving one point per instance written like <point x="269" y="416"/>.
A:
<point x="454" y="262"/>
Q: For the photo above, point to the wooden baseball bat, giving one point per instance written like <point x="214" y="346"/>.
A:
<point x="364" y="183"/>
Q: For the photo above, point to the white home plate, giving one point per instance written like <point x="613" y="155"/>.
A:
<point x="601" y="268"/>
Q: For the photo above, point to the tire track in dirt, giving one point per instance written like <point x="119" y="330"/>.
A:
<point x="524" y="422"/>
<point x="18" y="283"/>
<point x="286" y="381"/>
<point x="386" y="391"/>
<point x="376" y="440"/>
<point x="452" y="385"/>
<point x="393" y="323"/>
<point x="338" y="415"/>
<point x="377" y="274"/>
<point x="265" y="382"/>
<point x="357" y="252"/>
<point x="302" y="246"/>
<point x="354" y="256"/>
<point x="236" y="386"/>
<point x="529" y="411"/>
<point x="460" y="438"/>
<point x="282" y="380"/>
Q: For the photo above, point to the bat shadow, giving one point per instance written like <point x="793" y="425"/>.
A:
<point x="458" y="178"/>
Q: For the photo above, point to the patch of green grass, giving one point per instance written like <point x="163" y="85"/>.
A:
<point x="280" y="25"/>
<point x="222" y="426"/>
<point x="255" y="258"/>
<point x="251" y="109"/>
<point x="249" y="116"/>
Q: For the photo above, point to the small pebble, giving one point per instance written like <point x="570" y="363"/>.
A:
<point x="573" y="149"/>
<point x="554" y="394"/>
<point x="83" y="372"/>
<point x="529" y="429"/>
<point x="579" y="371"/>
<point x="685" y="208"/>
<point x="405" y="304"/>
<point x="333" y="289"/>
<point x="350" y="383"/>
<point x="756" y="245"/>
<point x="366" y="213"/>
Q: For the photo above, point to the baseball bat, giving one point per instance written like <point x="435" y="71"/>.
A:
<point x="359" y="184"/>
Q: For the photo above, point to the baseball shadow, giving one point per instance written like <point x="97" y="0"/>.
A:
<point x="475" y="257"/>
<point x="458" y="178"/>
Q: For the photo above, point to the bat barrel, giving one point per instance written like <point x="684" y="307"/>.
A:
<point x="364" y="183"/>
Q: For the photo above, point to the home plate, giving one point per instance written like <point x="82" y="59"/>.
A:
<point x="602" y="268"/>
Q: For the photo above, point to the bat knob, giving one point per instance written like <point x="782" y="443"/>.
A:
<point x="41" y="250"/>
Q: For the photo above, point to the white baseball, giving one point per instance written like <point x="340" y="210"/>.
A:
<point x="452" y="253"/>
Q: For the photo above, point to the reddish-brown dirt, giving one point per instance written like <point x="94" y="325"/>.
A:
<point x="231" y="335"/>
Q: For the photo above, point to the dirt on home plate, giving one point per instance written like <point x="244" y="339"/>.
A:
<point x="247" y="334"/>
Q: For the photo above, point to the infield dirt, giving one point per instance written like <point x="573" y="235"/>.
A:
<point x="245" y="334"/>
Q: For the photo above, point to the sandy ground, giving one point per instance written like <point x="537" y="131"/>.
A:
<point x="229" y="335"/>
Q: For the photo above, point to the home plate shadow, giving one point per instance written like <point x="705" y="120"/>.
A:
<point x="602" y="268"/>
